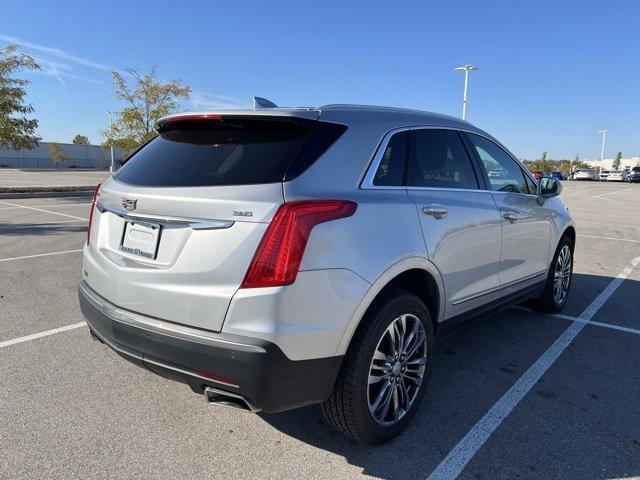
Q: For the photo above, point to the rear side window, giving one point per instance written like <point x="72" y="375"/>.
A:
<point x="391" y="169"/>
<point x="227" y="151"/>
<point x="438" y="159"/>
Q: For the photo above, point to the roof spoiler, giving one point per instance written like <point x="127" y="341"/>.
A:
<point x="260" y="103"/>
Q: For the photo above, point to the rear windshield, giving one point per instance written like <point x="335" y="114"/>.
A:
<point x="227" y="151"/>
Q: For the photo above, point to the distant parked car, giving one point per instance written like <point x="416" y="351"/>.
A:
<point x="584" y="175"/>
<point x="603" y="175"/>
<point x="634" y="175"/>
<point x="617" y="176"/>
<point x="558" y="175"/>
<point x="537" y="175"/>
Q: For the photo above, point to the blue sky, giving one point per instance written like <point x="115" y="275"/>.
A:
<point x="551" y="73"/>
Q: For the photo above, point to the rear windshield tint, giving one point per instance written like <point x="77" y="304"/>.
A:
<point x="232" y="151"/>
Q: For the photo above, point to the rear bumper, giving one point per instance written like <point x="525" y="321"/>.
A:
<point x="256" y="370"/>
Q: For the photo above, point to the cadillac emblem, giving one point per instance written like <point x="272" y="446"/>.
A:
<point x="129" y="204"/>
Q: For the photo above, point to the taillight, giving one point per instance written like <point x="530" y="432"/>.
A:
<point x="280" y="251"/>
<point x="93" y="205"/>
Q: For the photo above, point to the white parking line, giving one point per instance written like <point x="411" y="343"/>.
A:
<point x="620" y="328"/>
<point x="611" y="238"/>
<point x="41" y="210"/>
<point x="458" y="458"/>
<point x="38" y="255"/>
<point x="616" y="191"/>
<point x="39" y="224"/>
<point x="85" y="204"/>
<point x="586" y="322"/>
<point x="46" y="333"/>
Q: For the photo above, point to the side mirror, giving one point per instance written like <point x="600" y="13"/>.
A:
<point x="548" y="188"/>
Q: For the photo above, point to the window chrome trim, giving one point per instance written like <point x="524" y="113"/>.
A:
<point x="367" y="182"/>
<point x="525" y="170"/>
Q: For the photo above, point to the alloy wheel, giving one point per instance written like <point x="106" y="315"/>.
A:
<point x="562" y="275"/>
<point x="397" y="369"/>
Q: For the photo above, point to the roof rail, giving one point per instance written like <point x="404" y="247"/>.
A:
<point x="260" y="103"/>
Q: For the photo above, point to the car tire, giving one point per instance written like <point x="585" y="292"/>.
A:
<point x="370" y="410"/>
<point x="556" y="290"/>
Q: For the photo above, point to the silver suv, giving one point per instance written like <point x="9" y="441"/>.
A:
<point x="276" y="258"/>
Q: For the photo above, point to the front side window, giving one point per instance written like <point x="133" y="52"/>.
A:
<point x="391" y="169"/>
<point x="438" y="159"/>
<point x="503" y="171"/>
<point x="531" y="185"/>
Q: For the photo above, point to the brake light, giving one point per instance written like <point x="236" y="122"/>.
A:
<point x="280" y="251"/>
<point x="93" y="205"/>
<point x="197" y="117"/>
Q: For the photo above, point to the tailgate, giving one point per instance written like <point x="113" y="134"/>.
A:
<point x="198" y="256"/>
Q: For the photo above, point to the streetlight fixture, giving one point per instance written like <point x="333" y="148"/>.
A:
<point x="604" y="136"/>
<point x="466" y="69"/>
<point x="112" y="167"/>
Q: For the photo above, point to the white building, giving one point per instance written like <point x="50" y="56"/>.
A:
<point x="82" y="156"/>
<point x="607" y="163"/>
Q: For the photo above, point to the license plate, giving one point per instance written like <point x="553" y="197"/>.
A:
<point x="141" y="239"/>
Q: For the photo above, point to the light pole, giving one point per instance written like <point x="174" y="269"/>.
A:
<point x="111" y="131"/>
<point x="467" y="69"/>
<point x="604" y="136"/>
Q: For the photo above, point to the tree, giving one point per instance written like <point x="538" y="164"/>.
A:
<point x="80" y="140"/>
<point x="617" y="161"/>
<point x="545" y="164"/>
<point x="541" y="164"/>
<point x="148" y="100"/>
<point x="574" y="165"/>
<point x="17" y="132"/>
<point x="57" y="154"/>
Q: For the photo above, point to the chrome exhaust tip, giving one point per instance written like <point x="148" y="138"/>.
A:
<point x="213" y="396"/>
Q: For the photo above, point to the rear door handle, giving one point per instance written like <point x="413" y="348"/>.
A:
<point x="436" y="211"/>
<point x="512" y="217"/>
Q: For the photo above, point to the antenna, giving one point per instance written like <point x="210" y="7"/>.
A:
<point x="260" y="103"/>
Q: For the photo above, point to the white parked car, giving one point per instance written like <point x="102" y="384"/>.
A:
<point x="277" y="258"/>
<point x="617" y="176"/>
<point x="603" y="175"/>
<point x="584" y="175"/>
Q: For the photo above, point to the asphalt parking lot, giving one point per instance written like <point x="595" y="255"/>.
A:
<point x="516" y="395"/>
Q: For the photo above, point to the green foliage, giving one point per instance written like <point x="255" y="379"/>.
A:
<point x="542" y="164"/>
<point x="546" y="165"/>
<point x="17" y="132"/>
<point x="617" y="161"/>
<point x="80" y="140"/>
<point x="146" y="101"/>
<point x="57" y="154"/>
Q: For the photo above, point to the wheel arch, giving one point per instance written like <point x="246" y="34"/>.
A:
<point x="570" y="232"/>
<point x="416" y="275"/>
